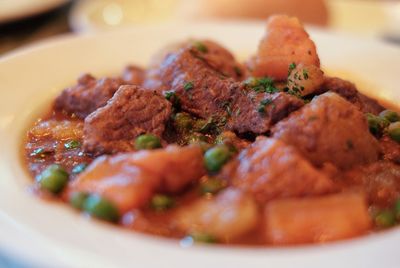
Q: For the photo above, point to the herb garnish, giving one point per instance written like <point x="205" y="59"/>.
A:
<point x="173" y="98"/>
<point x="292" y="66"/>
<point x="263" y="104"/>
<point x="200" y="46"/>
<point x="264" y="84"/>
<point x="188" y="86"/>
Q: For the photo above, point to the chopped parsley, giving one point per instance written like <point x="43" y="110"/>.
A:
<point x="292" y="66"/>
<point x="173" y="98"/>
<point x="263" y="104"/>
<point x="264" y="84"/>
<point x="188" y="86"/>
<point x="200" y="47"/>
<point x="305" y="74"/>
<point x="72" y="144"/>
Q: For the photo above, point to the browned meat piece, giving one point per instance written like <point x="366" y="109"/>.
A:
<point x="270" y="169"/>
<point x="205" y="93"/>
<point x="258" y="112"/>
<point x="391" y="149"/>
<point x="380" y="180"/>
<point x="330" y="129"/>
<point x="349" y="91"/>
<point x="88" y="95"/>
<point x="131" y="112"/>
<point x="212" y="54"/>
<point x="133" y="75"/>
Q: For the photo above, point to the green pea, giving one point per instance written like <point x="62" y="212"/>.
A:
<point x="161" y="202"/>
<point x="79" y="168"/>
<point x="397" y="209"/>
<point x="216" y="157"/>
<point x="183" y="121"/>
<point x="77" y="199"/>
<point x="212" y="186"/>
<point x="147" y="141"/>
<point x="376" y="124"/>
<point x="72" y="144"/>
<point x="53" y="179"/>
<point x="101" y="208"/>
<point x="385" y="219"/>
<point x="203" y="238"/>
<point x="390" y="115"/>
<point x="394" y="131"/>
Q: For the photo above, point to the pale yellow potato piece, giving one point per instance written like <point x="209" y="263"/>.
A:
<point x="316" y="219"/>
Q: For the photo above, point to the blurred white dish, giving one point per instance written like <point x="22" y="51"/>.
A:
<point x="11" y="10"/>
<point x="49" y="234"/>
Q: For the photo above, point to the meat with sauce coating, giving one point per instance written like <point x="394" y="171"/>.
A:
<point x="131" y="112"/>
<point x="330" y="129"/>
<point x="270" y="169"/>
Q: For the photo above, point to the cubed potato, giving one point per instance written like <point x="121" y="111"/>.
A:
<point x="124" y="184"/>
<point x="228" y="215"/>
<point x="316" y="219"/>
<point x="177" y="166"/>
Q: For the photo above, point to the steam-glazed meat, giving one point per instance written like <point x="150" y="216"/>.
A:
<point x="88" y="95"/>
<point x="285" y="42"/>
<point x="258" y="112"/>
<point x="349" y="91"/>
<point x="380" y="180"/>
<point x="131" y="112"/>
<point x="133" y="75"/>
<point x="390" y="149"/>
<point x="329" y="129"/>
<point x="215" y="56"/>
<point x="270" y="169"/>
<point x="203" y="92"/>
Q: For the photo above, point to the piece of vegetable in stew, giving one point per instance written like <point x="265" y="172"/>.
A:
<point x="205" y="149"/>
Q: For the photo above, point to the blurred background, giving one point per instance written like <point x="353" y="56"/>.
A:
<point x="26" y="21"/>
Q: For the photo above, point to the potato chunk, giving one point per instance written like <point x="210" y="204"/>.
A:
<point x="316" y="219"/>
<point x="119" y="180"/>
<point x="129" y="180"/>
<point x="285" y="42"/>
<point x="176" y="166"/>
<point x="226" y="216"/>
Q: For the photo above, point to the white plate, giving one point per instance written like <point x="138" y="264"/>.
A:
<point x="16" y="9"/>
<point x="52" y="234"/>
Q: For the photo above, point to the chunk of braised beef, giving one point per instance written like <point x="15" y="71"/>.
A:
<point x="270" y="169"/>
<point x="258" y="112"/>
<point x="390" y="149"/>
<point x="330" y="130"/>
<point x="131" y="112"/>
<point x="349" y="91"/>
<point x="133" y="75"/>
<point x="379" y="180"/>
<point x="87" y="95"/>
<point x="206" y="93"/>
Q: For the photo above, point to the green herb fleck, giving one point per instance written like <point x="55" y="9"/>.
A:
<point x="72" y="144"/>
<point x="263" y="104"/>
<point x="305" y="74"/>
<point x="173" y="98"/>
<point x="188" y="86"/>
<point x="40" y="153"/>
<point x="264" y="84"/>
<point x="292" y="66"/>
<point x="200" y="46"/>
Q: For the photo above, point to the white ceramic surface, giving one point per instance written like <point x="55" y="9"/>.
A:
<point x="11" y="10"/>
<point x="53" y="235"/>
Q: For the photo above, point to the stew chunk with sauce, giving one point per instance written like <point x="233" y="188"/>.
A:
<point x="203" y="148"/>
